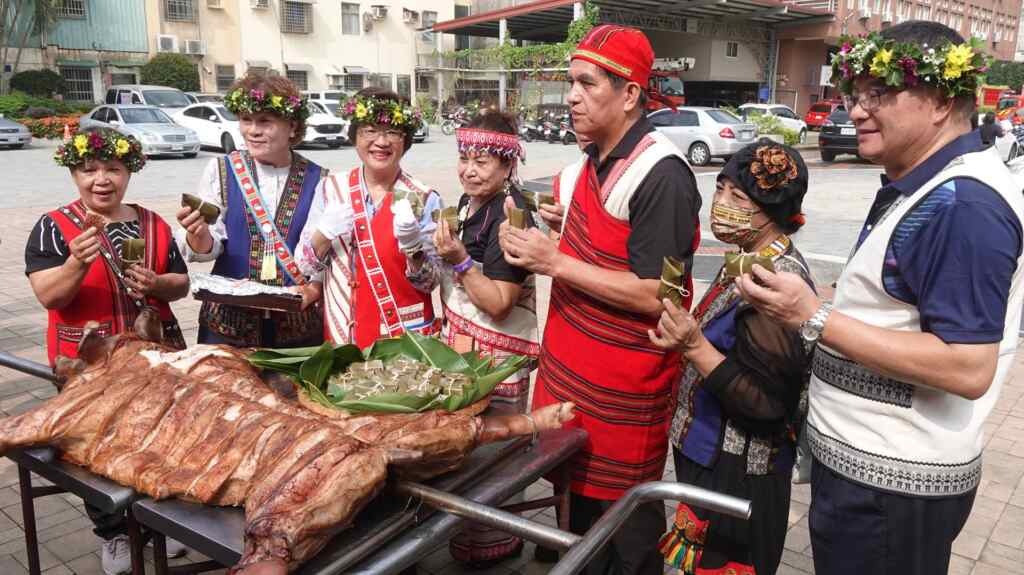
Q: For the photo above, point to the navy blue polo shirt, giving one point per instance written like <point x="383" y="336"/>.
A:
<point x="953" y="254"/>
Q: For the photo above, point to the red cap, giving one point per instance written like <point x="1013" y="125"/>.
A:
<point x="623" y="51"/>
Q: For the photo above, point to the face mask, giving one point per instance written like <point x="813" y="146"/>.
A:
<point x="733" y="225"/>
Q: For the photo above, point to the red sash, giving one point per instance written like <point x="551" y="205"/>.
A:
<point x="385" y="301"/>
<point x="601" y="358"/>
<point x="103" y="296"/>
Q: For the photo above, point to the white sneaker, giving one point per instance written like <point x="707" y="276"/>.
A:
<point x="175" y="548"/>
<point x="117" y="558"/>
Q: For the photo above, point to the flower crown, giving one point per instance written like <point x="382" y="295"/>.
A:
<point x="956" y="69"/>
<point x="371" y="110"/>
<point x="255" y="101"/>
<point x="103" y="144"/>
<point x="772" y="167"/>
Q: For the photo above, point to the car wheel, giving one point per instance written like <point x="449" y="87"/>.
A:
<point x="827" y="156"/>
<point x="699" y="154"/>
<point x="191" y="154"/>
<point x="227" y="143"/>
<point x="803" y="136"/>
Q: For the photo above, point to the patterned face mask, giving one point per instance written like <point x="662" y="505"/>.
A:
<point x="733" y="225"/>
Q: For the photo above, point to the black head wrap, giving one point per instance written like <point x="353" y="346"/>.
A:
<point x="774" y="176"/>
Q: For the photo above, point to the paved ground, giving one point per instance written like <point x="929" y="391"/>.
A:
<point x="992" y="542"/>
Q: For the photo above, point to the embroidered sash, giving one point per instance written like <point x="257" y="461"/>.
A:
<point x="264" y="222"/>
<point x="339" y="302"/>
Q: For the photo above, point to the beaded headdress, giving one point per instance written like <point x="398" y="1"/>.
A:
<point x="490" y="142"/>
<point x="103" y="144"/>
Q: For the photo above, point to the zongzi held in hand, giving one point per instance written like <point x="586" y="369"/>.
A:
<point x="209" y="211"/>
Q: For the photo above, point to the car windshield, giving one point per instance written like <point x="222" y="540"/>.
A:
<point x="671" y="86"/>
<point x="332" y="108"/>
<point x="227" y="114"/>
<point x="334" y="96"/>
<point x="166" y="98"/>
<point x="821" y="108"/>
<point x="746" y="113"/>
<point x="1007" y="103"/>
<point x="723" y="117"/>
<point x="144" y="116"/>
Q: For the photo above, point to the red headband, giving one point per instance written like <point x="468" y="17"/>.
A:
<point x="490" y="142"/>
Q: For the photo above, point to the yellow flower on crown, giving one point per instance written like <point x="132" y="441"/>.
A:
<point x="81" y="144"/>
<point x="880" y="63"/>
<point x="275" y="101"/>
<point x="958" y="60"/>
<point x="397" y="117"/>
<point x="360" y="111"/>
<point x="121" y="147"/>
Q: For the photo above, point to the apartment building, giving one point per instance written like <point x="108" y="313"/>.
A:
<point x="205" y="30"/>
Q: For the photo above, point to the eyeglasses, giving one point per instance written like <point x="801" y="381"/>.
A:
<point x="371" y="133"/>
<point x="868" y="101"/>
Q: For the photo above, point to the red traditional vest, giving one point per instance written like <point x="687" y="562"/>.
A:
<point x="600" y="357"/>
<point x="102" y="296"/>
<point x="385" y="301"/>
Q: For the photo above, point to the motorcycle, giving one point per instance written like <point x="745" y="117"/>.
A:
<point x="566" y="130"/>
<point x="551" y="130"/>
<point x="530" y="130"/>
<point x="459" y="118"/>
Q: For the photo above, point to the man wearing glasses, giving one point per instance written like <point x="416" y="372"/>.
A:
<point x="913" y="351"/>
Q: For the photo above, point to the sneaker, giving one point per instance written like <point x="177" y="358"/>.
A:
<point x="175" y="548"/>
<point x="117" y="559"/>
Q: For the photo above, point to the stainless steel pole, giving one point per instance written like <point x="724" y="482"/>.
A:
<point x="27" y="366"/>
<point x="597" y="537"/>
<point x="501" y="520"/>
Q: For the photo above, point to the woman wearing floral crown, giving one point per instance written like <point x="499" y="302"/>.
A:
<point x="74" y="262"/>
<point x="374" y="237"/>
<point x="489" y="304"/>
<point x="258" y="232"/>
<point x="738" y="405"/>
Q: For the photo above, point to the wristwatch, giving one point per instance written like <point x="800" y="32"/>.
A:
<point x="810" y="330"/>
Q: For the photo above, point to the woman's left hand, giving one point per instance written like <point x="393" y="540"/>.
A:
<point x="140" y="280"/>
<point x="311" y="293"/>
<point x="448" y="246"/>
<point x="677" y="330"/>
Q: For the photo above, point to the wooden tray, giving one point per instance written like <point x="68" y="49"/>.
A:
<point x="285" y="303"/>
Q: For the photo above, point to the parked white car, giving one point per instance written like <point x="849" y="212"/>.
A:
<point x="13" y="134"/>
<point x="787" y="117"/>
<point x="703" y="133"/>
<point x="215" y="125"/>
<point x="150" y="125"/>
<point x="323" y="127"/>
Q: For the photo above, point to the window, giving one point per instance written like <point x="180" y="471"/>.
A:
<point x="381" y="81"/>
<point x="120" y="78"/>
<point x="225" y="77"/>
<point x="461" y="40"/>
<point x="429" y="19"/>
<point x="100" y="115"/>
<point x="298" y="77"/>
<point x="354" y="82"/>
<point x="662" y="119"/>
<point x="179" y="11"/>
<point x="405" y="86"/>
<point x="79" y="83"/>
<point x="687" y="119"/>
<point x="144" y="116"/>
<point x="732" y="49"/>
<point x="71" y="9"/>
<point x="296" y="17"/>
<point x="350" y="19"/>
<point x="422" y="83"/>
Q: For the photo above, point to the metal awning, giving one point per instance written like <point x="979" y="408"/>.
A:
<point x="547" y="20"/>
<point x="258" y="64"/>
<point x="298" y="67"/>
<point x="357" y="71"/>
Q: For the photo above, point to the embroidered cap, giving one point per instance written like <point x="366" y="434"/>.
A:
<point x="625" y="52"/>
<point x="490" y="142"/>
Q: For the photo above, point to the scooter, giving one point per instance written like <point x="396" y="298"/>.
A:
<point x="529" y="130"/>
<point x="568" y="133"/>
<point x="456" y="119"/>
<point x="552" y="130"/>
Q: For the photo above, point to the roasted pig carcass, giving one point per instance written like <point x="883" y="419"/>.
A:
<point x="201" y="425"/>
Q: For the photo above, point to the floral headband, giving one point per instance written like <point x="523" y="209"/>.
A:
<point x="956" y="69"/>
<point x="104" y="145"/>
<point x="490" y="142"/>
<point x="371" y="110"/>
<point x="256" y="101"/>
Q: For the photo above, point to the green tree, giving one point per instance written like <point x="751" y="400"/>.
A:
<point x="1007" y="73"/>
<point x="174" y="70"/>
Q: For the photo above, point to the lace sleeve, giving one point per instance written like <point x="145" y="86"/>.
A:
<point x="759" y="382"/>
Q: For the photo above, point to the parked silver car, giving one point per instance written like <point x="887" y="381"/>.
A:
<point x="703" y="133"/>
<point x="150" y="125"/>
<point x="13" y="134"/>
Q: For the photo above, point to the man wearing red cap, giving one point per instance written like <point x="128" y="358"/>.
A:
<point x="631" y="203"/>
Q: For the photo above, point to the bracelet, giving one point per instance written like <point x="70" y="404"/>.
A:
<point x="464" y="266"/>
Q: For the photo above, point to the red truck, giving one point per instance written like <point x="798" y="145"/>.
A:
<point x="666" y="83"/>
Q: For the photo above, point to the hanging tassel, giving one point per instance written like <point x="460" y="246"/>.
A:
<point x="268" y="270"/>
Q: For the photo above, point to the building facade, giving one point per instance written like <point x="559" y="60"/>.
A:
<point x="205" y="30"/>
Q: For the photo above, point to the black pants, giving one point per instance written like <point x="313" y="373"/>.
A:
<point x="857" y="530"/>
<point x="633" y="550"/>
<point x="106" y="525"/>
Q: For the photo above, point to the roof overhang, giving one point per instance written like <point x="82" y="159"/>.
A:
<point x="547" y="20"/>
<point x="258" y="64"/>
<point x="298" y="67"/>
<point x="357" y="70"/>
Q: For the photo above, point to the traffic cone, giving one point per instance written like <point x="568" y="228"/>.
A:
<point x="67" y="132"/>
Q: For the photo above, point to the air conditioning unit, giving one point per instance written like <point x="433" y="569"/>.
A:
<point x="214" y="4"/>
<point x="379" y="12"/>
<point x="166" y="43"/>
<point x="886" y="17"/>
<point x="259" y="4"/>
<point x="410" y="16"/>
<point x="864" y="13"/>
<point x="195" y="47"/>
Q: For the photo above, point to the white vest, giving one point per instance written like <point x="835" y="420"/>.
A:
<point x="625" y="186"/>
<point x="898" y="436"/>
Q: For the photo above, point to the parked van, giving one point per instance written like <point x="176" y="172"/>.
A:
<point x="168" y="99"/>
<point x="331" y="95"/>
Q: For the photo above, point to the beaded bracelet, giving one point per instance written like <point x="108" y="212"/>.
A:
<point x="464" y="266"/>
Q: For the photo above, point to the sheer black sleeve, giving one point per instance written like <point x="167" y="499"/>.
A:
<point x="759" y="382"/>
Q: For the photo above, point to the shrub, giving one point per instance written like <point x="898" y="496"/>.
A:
<point x="41" y="83"/>
<point x="51" y="127"/>
<point x="17" y="105"/>
<point x="427" y="108"/>
<point x="174" y="70"/>
<point x="12" y="105"/>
